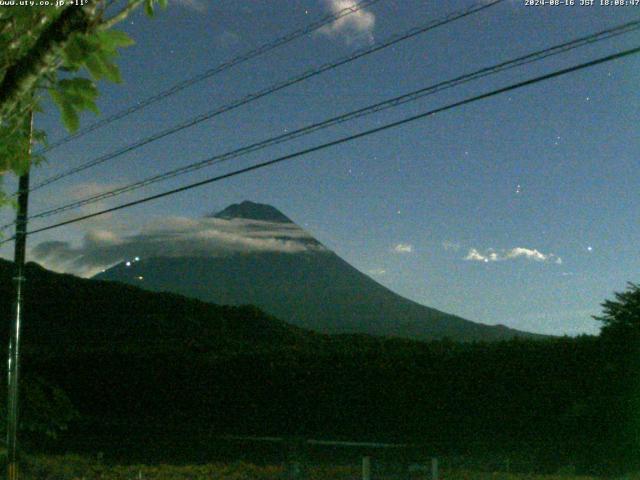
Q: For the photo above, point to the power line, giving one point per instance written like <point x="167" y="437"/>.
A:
<point x="342" y="140"/>
<point x="477" y="7"/>
<point x="267" y="47"/>
<point x="375" y="108"/>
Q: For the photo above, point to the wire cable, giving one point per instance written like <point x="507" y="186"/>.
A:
<point x="267" y="47"/>
<point x="477" y="7"/>
<point x="375" y="108"/>
<point x="342" y="140"/>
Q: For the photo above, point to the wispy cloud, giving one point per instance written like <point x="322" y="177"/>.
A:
<point x="377" y="271"/>
<point x="356" y="26"/>
<point x="173" y="237"/>
<point x="492" y="255"/>
<point x="402" y="248"/>
<point x="84" y="190"/>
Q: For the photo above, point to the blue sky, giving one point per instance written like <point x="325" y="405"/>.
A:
<point x="521" y="209"/>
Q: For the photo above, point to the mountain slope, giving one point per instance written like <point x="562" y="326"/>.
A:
<point x="312" y="288"/>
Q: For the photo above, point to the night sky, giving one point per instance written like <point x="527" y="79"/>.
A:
<point x="521" y="209"/>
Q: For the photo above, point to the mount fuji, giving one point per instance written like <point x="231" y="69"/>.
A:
<point x="263" y="258"/>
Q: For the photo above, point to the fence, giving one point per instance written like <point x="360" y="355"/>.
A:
<point x="300" y="458"/>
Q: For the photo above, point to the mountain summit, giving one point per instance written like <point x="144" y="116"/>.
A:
<point x="285" y="271"/>
<point x="253" y="211"/>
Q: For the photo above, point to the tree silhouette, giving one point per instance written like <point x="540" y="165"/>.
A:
<point x="621" y="317"/>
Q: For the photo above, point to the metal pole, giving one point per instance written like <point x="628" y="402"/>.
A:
<point x="366" y="468"/>
<point x="434" y="469"/>
<point x="14" y="341"/>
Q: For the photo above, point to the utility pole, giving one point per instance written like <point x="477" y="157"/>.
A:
<point x="14" y="340"/>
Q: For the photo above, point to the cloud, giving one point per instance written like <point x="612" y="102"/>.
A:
<point x="173" y="237"/>
<point x="355" y="26"/>
<point x="377" y="271"/>
<point x="81" y="191"/>
<point x="492" y="255"/>
<point x="476" y="256"/>
<point x="402" y="248"/>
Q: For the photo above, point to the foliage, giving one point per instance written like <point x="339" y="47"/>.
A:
<point x="46" y="49"/>
<point x="621" y="317"/>
<point x="46" y="409"/>
<point x="614" y="409"/>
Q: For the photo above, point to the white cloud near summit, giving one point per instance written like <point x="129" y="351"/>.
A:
<point x="402" y="248"/>
<point x="173" y="237"/>
<point x="492" y="255"/>
<point x="356" y="26"/>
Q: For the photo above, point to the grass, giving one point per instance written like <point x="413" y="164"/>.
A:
<point x="73" y="467"/>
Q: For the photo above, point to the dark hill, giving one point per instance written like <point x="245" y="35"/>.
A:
<point x="159" y="376"/>
<point x="64" y="313"/>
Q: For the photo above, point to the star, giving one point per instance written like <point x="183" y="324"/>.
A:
<point x="589" y="248"/>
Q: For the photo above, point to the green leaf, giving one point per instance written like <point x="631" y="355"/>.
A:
<point x="162" y="3"/>
<point x="70" y="117"/>
<point x="79" y="87"/>
<point x="81" y="92"/>
<point x="85" y="45"/>
<point x="56" y="96"/>
<point x="148" y="7"/>
<point x="95" y="66"/>
<point x="112" y="72"/>
<point x="73" y="53"/>
<point x="111" y="40"/>
<point x="73" y="96"/>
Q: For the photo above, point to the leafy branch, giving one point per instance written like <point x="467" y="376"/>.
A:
<point x="43" y="50"/>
